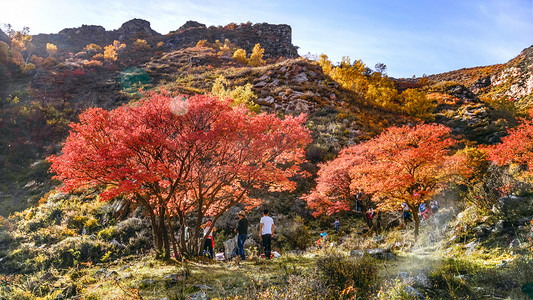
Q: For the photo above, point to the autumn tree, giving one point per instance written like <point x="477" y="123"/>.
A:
<point x="181" y="158"/>
<point x="141" y="44"/>
<point x="111" y="51"/>
<point x="240" y="94"/>
<point x="21" y="47"/>
<point x="240" y="56"/>
<point x="516" y="149"/>
<point x="334" y="191"/>
<point x="416" y="103"/>
<point x="256" y="58"/>
<point x="404" y="164"/>
<point x="51" y="49"/>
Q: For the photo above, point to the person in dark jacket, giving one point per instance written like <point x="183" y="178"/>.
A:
<point x="242" y="233"/>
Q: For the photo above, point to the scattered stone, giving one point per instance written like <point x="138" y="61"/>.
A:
<point x="260" y="84"/>
<point x="198" y="296"/>
<point x="112" y="273"/>
<point x="414" y="293"/>
<point x="482" y="230"/>
<point x="268" y="101"/>
<point x="300" y="78"/>
<point x="471" y="246"/>
<point x="378" y="238"/>
<point x="377" y="253"/>
<point x="203" y="287"/>
<point x="514" y="244"/>
<point x="422" y="280"/>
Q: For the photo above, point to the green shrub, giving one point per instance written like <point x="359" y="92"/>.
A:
<point x="342" y="272"/>
<point x="295" y="235"/>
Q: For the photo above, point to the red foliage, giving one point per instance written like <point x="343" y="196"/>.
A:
<point x="78" y="72"/>
<point x="403" y="164"/>
<point x="175" y="155"/>
<point x="517" y="147"/>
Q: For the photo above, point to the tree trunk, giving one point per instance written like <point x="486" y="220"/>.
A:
<point x="164" y="233"/>
<point x="417" y="223"/>
<point x="172" y="237"/>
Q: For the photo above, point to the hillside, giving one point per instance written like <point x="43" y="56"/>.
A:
<point x="510" y="82"/>
<point x="82" y="245"/>
<point x="40" y="103"/>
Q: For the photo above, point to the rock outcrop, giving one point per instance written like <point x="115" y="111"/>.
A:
<point x="4" y="38"/>
<point x="136" y="28"/>
<point x="275" y="39"/>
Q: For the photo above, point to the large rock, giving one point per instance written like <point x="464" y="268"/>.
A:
<point x="377" y="253"/>
<point x="136" y="28"/>
<point x="4" y="38"/>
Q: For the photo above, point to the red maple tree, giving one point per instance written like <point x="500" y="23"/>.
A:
<point x="404" y="164"/>
<point x="334" y="191"/>
<point x="517" y="147"/>
<point x="182" y="158"/>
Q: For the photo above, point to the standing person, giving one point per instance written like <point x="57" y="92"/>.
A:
<point x="266" y="232"/>
<point x="242" y="233"/>
<point x="434" y="206"/>
<point x="407" y="217"/>
<point x="209" y="243"/>
<point x="337" y="225"/>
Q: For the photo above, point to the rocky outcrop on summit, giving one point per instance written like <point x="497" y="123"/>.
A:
<point x="136" y="28"/>
<point x="275" y="39"/>
<point x="75" y="39"/>
<point x="4" y="38"/>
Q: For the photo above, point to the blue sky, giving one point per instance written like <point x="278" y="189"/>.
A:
<point x="412" y="37"/>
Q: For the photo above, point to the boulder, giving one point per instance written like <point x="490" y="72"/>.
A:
<point x="136" y="28"/>
<point x="384" y="254"/>
<point x="300" y="78"/>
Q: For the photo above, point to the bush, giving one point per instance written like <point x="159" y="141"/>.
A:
<point x="295" y="235"/>
<point x="342" y="272"/>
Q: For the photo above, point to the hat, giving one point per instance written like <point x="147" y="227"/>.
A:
<point x="241" y="213"/>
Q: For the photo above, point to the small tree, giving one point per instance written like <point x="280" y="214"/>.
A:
<point x="256" y="58"/>
<point x="141" y="44"/>
<point x="334" y="191"/>
<point x="240" y="95"/>
<point x="240" y="56"/>
<point x="111" y="51"/>
<point x="416" y="103"/>
<point x="51" y="49"/>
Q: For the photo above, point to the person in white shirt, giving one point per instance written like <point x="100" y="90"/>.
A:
<point x="266" y="232"/>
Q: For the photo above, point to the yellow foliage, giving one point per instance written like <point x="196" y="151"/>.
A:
<point x="51" y="49"/>
<point x="256" y="58"/>
<point x="141" y="44"/>
<point x="92" y="48"/>
<point x="241" y="95"/>
<point x="203" y="43"/>
<point x="111" y="51"/>
<point x="416" y="103"/>
<point x="240" y="56"/>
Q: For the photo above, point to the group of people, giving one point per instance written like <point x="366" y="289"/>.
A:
<point x="266" y="232"/>
<point x="424" y="210"/>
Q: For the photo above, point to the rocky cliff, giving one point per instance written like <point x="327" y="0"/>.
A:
<point x="275" y="39"/>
